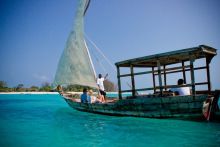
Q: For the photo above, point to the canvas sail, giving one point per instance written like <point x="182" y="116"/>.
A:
<point x="75" y="65"/>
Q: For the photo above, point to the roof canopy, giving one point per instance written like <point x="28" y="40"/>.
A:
<point x="172" y="57"/>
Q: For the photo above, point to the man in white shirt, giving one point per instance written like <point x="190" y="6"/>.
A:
<point x="100" y="84"/>
<point x="181" y="90"/>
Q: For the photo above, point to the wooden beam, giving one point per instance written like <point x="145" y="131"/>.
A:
<point x="173" y="69"/>
<point x="159" y="76"/>
<point x="184" y="72"/>
<point x="119" y="83"/>
<point x="208" y="75"/>
<point x="192" y="76"/>
<point x="165" y="76"/>
<point x="132" y="80"/>
<point x="125" y="75"/>
<point x="153" y="75"/>
<point x="138" y="73"/>
<point x="141" y="89"/>
<point x="202" y="83"/>
<point x="176" y="86"/>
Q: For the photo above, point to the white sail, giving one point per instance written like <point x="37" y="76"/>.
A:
<point x="75" y="66"/>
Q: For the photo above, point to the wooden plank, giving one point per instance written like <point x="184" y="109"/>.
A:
<point x="208" y="75"/>
<point x="132" y="81"/>
<point x="138" y="73"/>
<point x="165" y="77"/>
<point x="153" y="75"/>
<point x="184" y="72"/>
<point x="125" y="75"/>
<point x="201" y="83"/>
<point x="159" y="76"/>
<point x="192" y="76"/>
<point x="174" y="69"/>
<point x="119" y="83"/>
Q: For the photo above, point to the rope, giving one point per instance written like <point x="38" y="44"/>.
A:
<point x="86" y="6"/>
<point x="96" y="47"/>
<point x="100" y="63"/>
<point x="108" y="61"/>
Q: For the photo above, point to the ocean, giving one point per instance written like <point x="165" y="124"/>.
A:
<point x="46" y="120"/>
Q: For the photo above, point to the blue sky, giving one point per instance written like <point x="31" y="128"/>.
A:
<point x="34" y="33"/>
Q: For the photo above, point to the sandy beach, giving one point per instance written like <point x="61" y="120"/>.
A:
<point x="72" y="92"/>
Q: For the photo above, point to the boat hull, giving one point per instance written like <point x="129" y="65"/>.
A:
<point x="154" y="107"/>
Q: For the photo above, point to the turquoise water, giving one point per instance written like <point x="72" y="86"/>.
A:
<point x="46" y="120"/>
<point x="115" y="94"/>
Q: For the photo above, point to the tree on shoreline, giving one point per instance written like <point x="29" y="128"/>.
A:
<point x="3" y="86"/>
<point x="34" y="88"/>
<point x="109" y="86"/>
<point x="46" y="87"/>
<point x="20" y="88"/>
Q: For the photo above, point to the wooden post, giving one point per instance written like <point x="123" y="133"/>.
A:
<point x="208" y="76"/>
<point x="184" y="72"/>
<point x="132" y="80"/>
<point x="192" y="76"/>
<point x="153" y="75"/>
<point x="159" y="77"/>
<point x="165" y="77"/>
<point x="119" y="83"/>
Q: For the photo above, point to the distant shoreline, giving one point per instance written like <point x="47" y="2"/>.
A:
<point x="46" y="92"/>
<point x="29" y="93"/>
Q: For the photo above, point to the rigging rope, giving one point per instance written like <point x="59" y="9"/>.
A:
<point x="108" y="61"/>
<point x="100" y="63"/>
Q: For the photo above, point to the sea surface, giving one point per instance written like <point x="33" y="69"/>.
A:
<point x="28" y="120"/>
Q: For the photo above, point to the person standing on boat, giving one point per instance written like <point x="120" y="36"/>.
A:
<point x="100" y="83"/>
<point x="85" y="98"/>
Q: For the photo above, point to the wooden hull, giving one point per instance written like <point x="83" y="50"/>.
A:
<point x="154" y="107"/>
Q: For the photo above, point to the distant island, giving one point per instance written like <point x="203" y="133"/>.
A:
<point x="47" y="87"/>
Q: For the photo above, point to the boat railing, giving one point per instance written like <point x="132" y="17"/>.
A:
<point x="169" y="87"/>
<point x="167" y="71"/>
<point x="158" y="87"/>
<point x="168" y="94"/>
